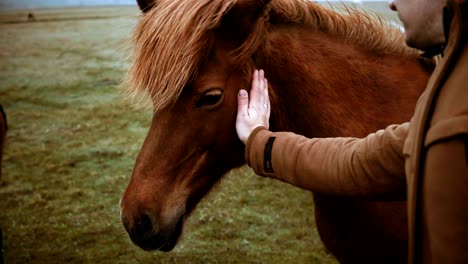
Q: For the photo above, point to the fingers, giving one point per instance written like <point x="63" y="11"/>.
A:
<point x="253" y="109"/>
<point x="256" y="94"/>
<point x="243" y="103"/>
<point x="267" y="100"/>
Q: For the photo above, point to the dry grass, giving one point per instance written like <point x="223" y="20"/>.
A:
<point x="71" y="148"/>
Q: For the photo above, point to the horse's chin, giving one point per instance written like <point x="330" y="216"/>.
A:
<point x="164" y="243"/>
<point x="168" y="247"/>
<point x="172" y="240"/>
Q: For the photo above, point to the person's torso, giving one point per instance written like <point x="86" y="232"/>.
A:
<point x="441" y="115"/>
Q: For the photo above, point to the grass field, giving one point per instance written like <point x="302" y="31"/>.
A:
<point x="71" y="148"/>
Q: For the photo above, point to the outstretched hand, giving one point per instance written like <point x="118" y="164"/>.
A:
<point x="256" y="111"/>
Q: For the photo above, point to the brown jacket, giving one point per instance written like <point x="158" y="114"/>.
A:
<point x="428" y="154"/>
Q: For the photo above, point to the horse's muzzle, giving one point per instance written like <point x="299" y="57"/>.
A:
<point x="146" y="234"/>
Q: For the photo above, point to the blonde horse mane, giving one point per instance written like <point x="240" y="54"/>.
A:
<point x="173" y="39"/>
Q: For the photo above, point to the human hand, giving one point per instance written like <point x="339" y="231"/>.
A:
<point x="256" y="111"/>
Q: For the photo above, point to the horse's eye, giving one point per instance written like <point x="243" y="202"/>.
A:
<point x="210" y="98"/>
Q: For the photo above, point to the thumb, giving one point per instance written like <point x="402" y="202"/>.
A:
<point x="242" y="103"/>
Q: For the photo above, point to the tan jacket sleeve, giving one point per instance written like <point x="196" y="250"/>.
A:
<point x="371" y="166"/>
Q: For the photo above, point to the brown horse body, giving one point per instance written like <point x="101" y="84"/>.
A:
<point x="329" y="75"/>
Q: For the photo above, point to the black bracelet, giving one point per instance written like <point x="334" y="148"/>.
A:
<point x="267" y="165"/>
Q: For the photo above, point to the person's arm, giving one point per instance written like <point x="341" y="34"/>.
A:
<point x="368" y="167"/>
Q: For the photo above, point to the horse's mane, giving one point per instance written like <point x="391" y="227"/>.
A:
<point x="172" y="40"/>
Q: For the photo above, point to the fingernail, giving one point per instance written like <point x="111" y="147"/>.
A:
<point x="243" y="93"/>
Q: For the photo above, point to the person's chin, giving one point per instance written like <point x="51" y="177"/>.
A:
<point x="422" y="41"/>
<point x="411" y="42"/>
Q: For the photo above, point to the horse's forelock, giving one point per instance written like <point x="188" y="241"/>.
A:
<point x="170" y="42"/>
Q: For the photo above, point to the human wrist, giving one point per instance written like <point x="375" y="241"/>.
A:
<point x="252" y="134"/>
<point x="250" y="139"/>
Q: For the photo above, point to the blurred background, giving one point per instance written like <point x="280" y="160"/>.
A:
<point x="62" y="3"/>
<point x="73" y="140"/>
<point x="69" y="3"/>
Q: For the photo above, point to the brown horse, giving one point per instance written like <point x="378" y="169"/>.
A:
<point x="330" y="74"/>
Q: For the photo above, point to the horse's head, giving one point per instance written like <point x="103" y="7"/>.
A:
<point x="184" y="61"/>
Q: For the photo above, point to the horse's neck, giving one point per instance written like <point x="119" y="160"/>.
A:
<point x="324" y="87"/>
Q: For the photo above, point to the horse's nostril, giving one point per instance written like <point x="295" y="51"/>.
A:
<point x="144" y="226"/>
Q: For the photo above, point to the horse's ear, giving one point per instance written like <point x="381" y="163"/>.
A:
<point x="243" y="16"/>
<point x="146" y="5"/>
